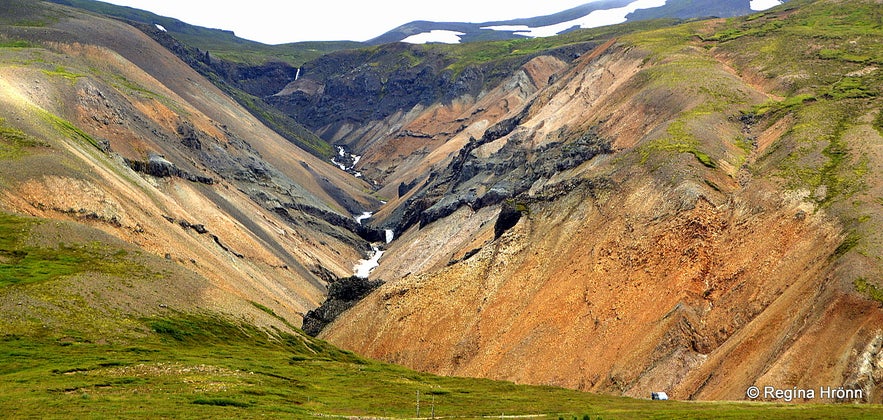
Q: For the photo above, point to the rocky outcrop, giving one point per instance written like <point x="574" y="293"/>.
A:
<point x="510" y="214"/>
<point x="342" y="294"/>
<point x="156" y="165"/>
<point x="478" y="182"/>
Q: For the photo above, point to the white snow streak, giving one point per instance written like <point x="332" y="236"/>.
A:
<point x="592" y="20"/>
<point x="759" y="5"/>
<point x="435" y="35"/>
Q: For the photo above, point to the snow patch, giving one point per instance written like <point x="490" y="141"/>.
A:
<point x="592" y="20"/>
<point x="346" y="161"/>
<point x="435" y="35"/>
<point x="160" y="27"/>
<point x="390" y="235"/>
<point x="364" y="267"/>
<point x="759" y="5"/>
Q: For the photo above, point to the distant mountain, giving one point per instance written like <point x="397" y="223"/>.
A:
<point x="589" y="15"/>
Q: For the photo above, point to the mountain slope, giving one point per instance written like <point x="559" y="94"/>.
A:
<point x="243" y="69"/>
<point x="137" y="144"/>
<point x="692" y="209"/>
<point x="395" y="104"/>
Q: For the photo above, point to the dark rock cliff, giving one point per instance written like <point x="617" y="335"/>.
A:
<point x="479" y="182"/>
<point x="342" y="294"/>
<point x="359" y="86"/>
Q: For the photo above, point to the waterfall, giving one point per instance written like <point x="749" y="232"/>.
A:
<point x="297" y="75"/>
<point x="364" y="267"/>
<point x="363" y="216"/>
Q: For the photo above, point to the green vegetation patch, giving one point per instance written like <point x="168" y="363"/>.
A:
<point x="872" y="291"/>
<point x="820" y="159"/>
<point x="221" y="402"/>
<point x="60" y="71"/>
<point x="878" y="122"/>
<point x="272" y="313"/>
<point x="120" y="81"/>
<point x="153" y="379"/>
<point x="664" y="41"/>
<point x="13" y="141"/>
<point x="851" y="87"/>
<point x="200" y="329"/>
<point x="759" y="27"/>
<point x="69" y="129"/>
<point x="835" y="54"/>
<point x="680" y="140"/>
<point x="15" y="43"/>
<point x="21" y="263"/>
<point x="792" y="103"/>
<point x="851" y="240"/>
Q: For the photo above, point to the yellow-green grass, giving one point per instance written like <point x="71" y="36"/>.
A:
<point x="198" y="367"/>
<point x="24" y="263"/>
<point x="14" y="142"/>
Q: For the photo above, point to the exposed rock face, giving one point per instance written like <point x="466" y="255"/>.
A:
<point x="358" y="87"/>
<point x="342" y="294"/>
<point x="510" y="214"/>
<point x="352" y="88"/>
<point x="158" y="166"/>
<point x="617" y="302"/>
<point x="480" y="181"/>
<point x="259" y="80"/>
